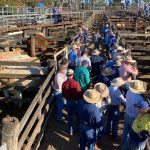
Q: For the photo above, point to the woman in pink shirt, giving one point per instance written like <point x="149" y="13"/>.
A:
<point x="127" y="70"/>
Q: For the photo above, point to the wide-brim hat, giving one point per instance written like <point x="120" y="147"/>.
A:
<point x="117" y="82"/>
<point x="138" y="86"/>
<point x="120" y="48"/>
<point x="117" y="63"/>
<point x="108" y="71"/>
<point x="96" y="52"/>
<point x="75" y="46"/>
<point x="92" y="96"/>
<point x="129" y="59"/>
<point x="102" y="88"/>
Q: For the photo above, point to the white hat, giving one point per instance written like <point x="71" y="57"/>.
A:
<point x="70" y="72"/>
<point x="92" y="96"/>
<point x="120" y="48"/>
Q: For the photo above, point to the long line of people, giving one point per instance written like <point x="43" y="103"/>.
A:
<point x="95" y="87"/>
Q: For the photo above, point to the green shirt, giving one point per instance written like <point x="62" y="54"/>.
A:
<point x="82" y="76"/>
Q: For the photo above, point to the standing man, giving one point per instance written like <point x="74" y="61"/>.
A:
<point x="133" y="97"/>
<point x="114" y="113"/>
<point x="59" y="79"/>
<point x="82" y="75"/>
<point x="72" y="93"/>
<point x="91" y="123"/>
<point x="96" y="40"/>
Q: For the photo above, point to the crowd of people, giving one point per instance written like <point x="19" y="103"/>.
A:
<point x="94" y="86"/>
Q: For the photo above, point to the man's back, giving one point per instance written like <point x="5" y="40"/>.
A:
<point x="82" y="76"/>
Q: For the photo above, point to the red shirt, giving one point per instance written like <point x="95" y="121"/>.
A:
<point x="71" y="90"/>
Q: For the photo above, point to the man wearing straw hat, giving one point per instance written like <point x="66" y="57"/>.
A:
<point x="127" y="70"/>
<point x="113" y="110"/>
<point x="96" y="62"/>
<point x="90" y="119"/>
<point x="133" y="97"/>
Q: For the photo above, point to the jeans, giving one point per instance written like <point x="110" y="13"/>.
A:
<point x="96" y="45"/>
<point x="113" y="119"/>
<point x="60" y="104"/>
<point x="128" y="121"/>
<point x="130" y="145"/>
<point x="87" y="136"/>
<point x="71" y="107"/>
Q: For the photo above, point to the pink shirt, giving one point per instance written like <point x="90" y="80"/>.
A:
<point x="126" y="70"/>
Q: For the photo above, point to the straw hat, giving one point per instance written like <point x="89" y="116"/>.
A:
<point x="108" y="71"/>
<point x="118" y="58"/>
<point x="75" y="46"/>
<point x="129" y="59"/>
<point x="118" y="63"/>
<point x="137" y="86"/>
<point x="102" y="88"/>
<point x="40" y="33"/>
<point x="92" y="96"/>
<point x="96" y="52"/>
<point x="120" y="48"/>
<point x="118" y="82"/>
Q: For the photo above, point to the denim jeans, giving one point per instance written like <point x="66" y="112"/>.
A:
<point x="96" y="45"/>
<point x="71" y="107"/>
<point x="113" y="119"/>
<point x="87" y="136"/>
<point x="128" y="121"/>
<point x="60" y="104"/>
<point x="130" y="145"/>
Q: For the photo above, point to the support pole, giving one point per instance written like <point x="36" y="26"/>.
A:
<point x="10" y="132"/>
<point x="33" y="46"/>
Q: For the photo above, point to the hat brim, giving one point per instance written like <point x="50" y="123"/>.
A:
<point x="140" y="91"/>
<point x="108" y="74"/>
<point x="105" y="93"/>
<point x="92" y="101"/>
<point x="130" y="61"/>
<point x="117" y="84"/>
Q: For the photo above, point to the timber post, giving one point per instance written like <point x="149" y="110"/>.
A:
<point x="10" y="132"/>
<point x="33" y="46"/>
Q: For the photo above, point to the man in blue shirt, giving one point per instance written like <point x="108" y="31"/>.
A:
<point x="133" y="97"/>
<point x="91" y="123"/>
<point x="113" y="110"/>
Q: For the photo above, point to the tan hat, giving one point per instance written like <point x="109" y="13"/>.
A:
<point x="75" y="46"/>
<point x="102" y="88"/>
<point x="108" y="71"/>
<point x="129" y="59"/>
<point x="119" y="58"/>
<point x="118" y="82"/>
<point x="138" y="86"/>
<point x="118" y="63"/>
<point x="120" y="48"/>
<point x="40" y="33"/>
<point x="96" y="52"/>
<point x="92" y="96"/>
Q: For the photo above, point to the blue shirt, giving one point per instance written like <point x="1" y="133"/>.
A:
<point x="41" y="4"/>
<point x="116" y="96"/>
<point x="89" y="115"/>
<point x="73" y="57"/>
<point x="106" y="39"/>
<point x="110" y="64"/>
<point x="112" y="40"/>
<point x="131" y="100"/>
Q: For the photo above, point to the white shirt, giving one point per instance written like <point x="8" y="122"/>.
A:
<point x="58" y="81"/>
